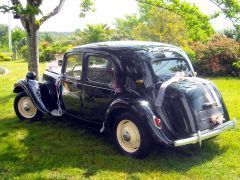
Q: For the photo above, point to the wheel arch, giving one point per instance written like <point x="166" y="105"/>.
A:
<point x="23" y="86"/>
<point x="120" y="106"/>
<point x="111" y="117"/>
<point x="18" y="89"/>
<point x="142" y="111"/>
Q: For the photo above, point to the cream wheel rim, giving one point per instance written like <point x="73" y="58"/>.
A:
<point x="26" y="107"/>
<point x="128" y="136"/>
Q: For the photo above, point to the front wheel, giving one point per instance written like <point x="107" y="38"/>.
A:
<point x="130" y="136"/>
<point x="25" y="109"/>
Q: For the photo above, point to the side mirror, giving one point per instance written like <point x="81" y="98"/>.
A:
<point x="60" y="62"/>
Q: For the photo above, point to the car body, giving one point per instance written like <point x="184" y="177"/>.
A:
<point x="138" y="92"/>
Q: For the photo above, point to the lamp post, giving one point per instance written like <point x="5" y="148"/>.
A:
<point x="9" y="30"/>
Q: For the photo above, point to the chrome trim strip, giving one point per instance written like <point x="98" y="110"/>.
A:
<point x="95" y="86"/>
<point x="200" y="136"/>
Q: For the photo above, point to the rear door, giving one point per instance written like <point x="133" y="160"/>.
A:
<point x="72" y="84"/>
<point x="98" y="86"/>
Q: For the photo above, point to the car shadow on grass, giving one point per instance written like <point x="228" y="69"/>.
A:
<point x="57" y="144"/>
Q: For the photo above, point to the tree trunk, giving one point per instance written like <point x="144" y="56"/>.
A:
<point x="33" y="56"/>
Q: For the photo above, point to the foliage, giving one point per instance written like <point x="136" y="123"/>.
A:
<point x="62" y="149"/>
<point x="24" y="52"/>
<point x="236" y="65"/>
<point x="17" y="35"/>
<point x="162" y="26"/>
<point x="47" y="37"/>
<point x="191" y="54"/>
<point x="17" y="9"/>
<point x="4" y="57"/>
<point x="233" y="33"/>
<point x="3" y="37"/>
<point x="174" y="22"/>
<point x="124" y="28"/>
<point x="231" y="9"/>
<point x="217" y="57"/>
<point x="86" y="6"/>
<point x="197" y="23"/>
<point x="95" y="33"/>
<point x="28" y="14"/>
<point x="48" y="51"/>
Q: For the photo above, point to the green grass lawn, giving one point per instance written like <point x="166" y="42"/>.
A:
<point x="59" y="149"/>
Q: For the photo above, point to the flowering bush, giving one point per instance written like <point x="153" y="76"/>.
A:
<point x="217" y="57"/>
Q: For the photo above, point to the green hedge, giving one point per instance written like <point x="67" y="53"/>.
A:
<point x="4" y="57"/>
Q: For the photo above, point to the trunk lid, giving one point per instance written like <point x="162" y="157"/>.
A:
<point x="193" y="105"/>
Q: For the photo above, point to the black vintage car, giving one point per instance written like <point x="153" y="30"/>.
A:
<point x="138" y="92"/>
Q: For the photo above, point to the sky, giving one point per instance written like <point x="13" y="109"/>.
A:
<point x="68" y="19"/>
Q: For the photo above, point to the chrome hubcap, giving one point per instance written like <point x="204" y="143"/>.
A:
<point x="128" y="136"/>
<point x="26" y="107"/>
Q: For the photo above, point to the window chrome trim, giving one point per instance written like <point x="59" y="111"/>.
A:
<point x="96" y="82"/>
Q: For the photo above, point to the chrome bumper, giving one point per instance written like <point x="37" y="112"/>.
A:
<point x="206" y="135"/>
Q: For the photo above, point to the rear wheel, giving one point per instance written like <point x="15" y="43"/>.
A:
<point x="130" y="136"/>
<point x="25" y="109"/>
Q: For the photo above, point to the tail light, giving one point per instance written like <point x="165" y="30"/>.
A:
<point x="157" y="122"/>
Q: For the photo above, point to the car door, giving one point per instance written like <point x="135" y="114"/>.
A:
<point x="98" y="87"/>
<point x="72" y="84"/>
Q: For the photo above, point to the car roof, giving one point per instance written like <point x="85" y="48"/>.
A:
<point x="122" y="49"/>
<point x="115" y="46"/>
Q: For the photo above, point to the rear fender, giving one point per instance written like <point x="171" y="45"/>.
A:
<point x="32" y="89"/>
<point x="142" y="110"/>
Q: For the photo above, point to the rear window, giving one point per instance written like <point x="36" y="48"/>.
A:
<point x="170" y="66"/>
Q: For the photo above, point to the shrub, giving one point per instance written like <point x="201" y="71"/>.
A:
<point x="217" y="57"/>
<point x="236" y="65"/>
<point x="4" y="57"/>
<point x="48" y="51"/>
<point x="24" y="52"/>
<point x="191" y="54"/>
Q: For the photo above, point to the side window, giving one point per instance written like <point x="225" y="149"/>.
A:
<point x="101" y="70"/>
<point x="74" y="66"/>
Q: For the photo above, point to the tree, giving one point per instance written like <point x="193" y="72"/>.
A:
<point x="3" y="35"/>
<point x="162" y="26"/>
<point x="197" y="23"/>
<point x="17" y="35"/>
<point x="18" y="38"/>
<point x="96" y="33"/>
<point x="28" y="17"/>
<point x="31" y="24"/>
<point x="231" y="10"/>
<point x="124" y="27"/>
<point x="172" y="21"/>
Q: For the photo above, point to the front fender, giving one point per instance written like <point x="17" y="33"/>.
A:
<point x="142" y="110"/>
<point x="32" y="89"/>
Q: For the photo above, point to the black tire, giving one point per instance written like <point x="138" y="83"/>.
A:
<point x="36" y="115"/>
<point x="145" y="143"/>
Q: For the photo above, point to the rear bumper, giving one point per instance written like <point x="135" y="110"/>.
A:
<point x="200" y="136"/>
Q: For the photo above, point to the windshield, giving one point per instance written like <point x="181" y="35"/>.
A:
<point x="170" y="66"/>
